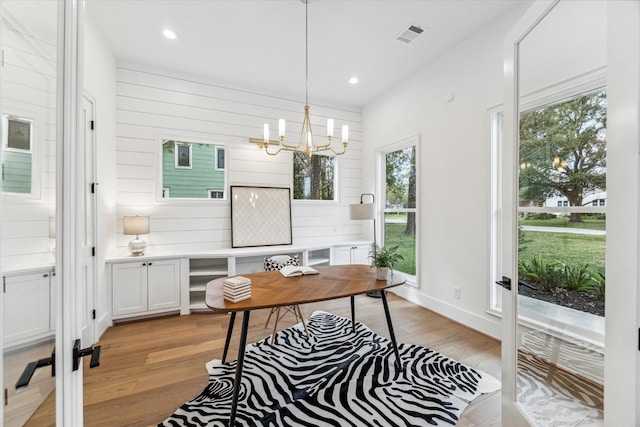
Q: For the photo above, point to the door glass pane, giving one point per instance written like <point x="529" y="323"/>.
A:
<point x="28" y="81"/>
<point x="400" y="206"/>
<point x="562" y="217"/>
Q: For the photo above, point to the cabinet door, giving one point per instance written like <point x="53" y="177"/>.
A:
<point x="129" y="282"/>
<point x="341" y="255"/>
<point x="26" y="307"/>
<point x="360" y="254"/>
<point x="163" y="284"/>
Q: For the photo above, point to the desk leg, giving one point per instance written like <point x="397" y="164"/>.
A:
<point x="239" y="363"/>
<point x="383" y="294"/>
<point x="353" y="314"/>
<point x="232" y="320"/>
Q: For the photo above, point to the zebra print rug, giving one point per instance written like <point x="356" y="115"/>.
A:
<point x="336" y="378"/>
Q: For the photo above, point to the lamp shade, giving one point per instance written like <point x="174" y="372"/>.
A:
<point x="135" y="225"/>
<point x="362" y="211"/>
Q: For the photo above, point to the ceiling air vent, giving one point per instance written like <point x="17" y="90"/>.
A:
<point x="409" y="34"/>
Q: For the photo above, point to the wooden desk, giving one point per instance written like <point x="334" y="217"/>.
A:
<point x="270" y="289"/>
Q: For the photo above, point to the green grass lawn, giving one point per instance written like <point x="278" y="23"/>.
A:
<point x="564" y="247"/>
<point x="394" y="236"/>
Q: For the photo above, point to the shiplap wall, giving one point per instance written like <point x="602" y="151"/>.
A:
<point x="28" y="89"/>
<point x="154" y="103"/>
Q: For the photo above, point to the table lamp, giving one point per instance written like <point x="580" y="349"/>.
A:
<point x="134" y="226"/>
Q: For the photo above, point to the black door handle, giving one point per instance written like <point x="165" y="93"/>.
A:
<point x="79" y="353"/>
<point x="31" y="367"/>
<point x="505" y="283"/>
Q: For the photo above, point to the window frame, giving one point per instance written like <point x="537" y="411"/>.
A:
<point x="5" y="135"/>
<point x="381" y="189"/>
<point x="217" y="150"/>
<point x="336" y="180"/>
<point x="37" y="148"/>
<point x="177" y="155"/>
<point x="162" y="190"/>
<point x="586" y="83"/>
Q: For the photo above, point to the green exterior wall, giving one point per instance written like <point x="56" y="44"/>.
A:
<point x="16" y="172"/>
<point x="192" y="183"/>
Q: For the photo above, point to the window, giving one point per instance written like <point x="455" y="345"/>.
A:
<point x="216" y="194"/>
<point x="563" y="144"/>
<point x="315" y="179"/>
<point x="183" y="155"/>
<point x="400" y="183"/>
<point x="192" y="170"/>
<point x="17" y="159"/>
<point x="220" y="158"/>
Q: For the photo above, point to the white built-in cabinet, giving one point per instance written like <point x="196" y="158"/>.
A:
<point x="145" y="287"/>
<point x="151" y="285"/>
<point x="350" y="254"/>
<point x="27" y="311"/>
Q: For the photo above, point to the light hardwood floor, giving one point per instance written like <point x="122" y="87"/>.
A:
<point x="150" y="367"/>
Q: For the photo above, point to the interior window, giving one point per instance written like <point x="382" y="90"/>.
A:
<point x="314" y="179"/>
<point x="17" y="159"/>
<point x="192" y="170"/>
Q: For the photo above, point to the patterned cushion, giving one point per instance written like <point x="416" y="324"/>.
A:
<point x="276" y="262"/>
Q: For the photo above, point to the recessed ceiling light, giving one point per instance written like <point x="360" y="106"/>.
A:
<point x="170" y="34"/>
<point x="353" y="80"/>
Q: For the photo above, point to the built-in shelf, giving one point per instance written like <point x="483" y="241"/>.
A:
<point x="202" y="271"/>
<point x="319" y="261"/>
<point x="198" y="269"/>
<point x="207" y="271"/>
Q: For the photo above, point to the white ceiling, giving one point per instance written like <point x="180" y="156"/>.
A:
<point x="260" y="44"/>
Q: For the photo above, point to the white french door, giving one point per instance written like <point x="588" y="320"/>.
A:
<point x="567" y="48"/>
<point x="41" y="77"/>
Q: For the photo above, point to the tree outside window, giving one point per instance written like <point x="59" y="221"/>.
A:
<point x="313" y="179"/>
<point x="563" y="156"/>
<point x="400" y="205"/>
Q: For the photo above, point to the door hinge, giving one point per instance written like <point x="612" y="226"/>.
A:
<point x="93" y="251"/>
<point x="6" y="396"/>
<point x="4" y="284"/>
<point x="92" y="123"/>
<point x="93" y="314"/>
<point x="638" y="339"/>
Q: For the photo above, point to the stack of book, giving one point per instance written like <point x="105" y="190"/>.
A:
<point x="236" y="289"/>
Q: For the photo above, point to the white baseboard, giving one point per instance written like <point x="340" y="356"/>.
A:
<point x="104" y="323"/>
<point x="487" y="326"/>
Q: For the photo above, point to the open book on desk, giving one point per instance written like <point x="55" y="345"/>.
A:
<point x="296" y="270"/>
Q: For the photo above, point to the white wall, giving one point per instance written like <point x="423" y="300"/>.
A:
<point x="29" y="90"/>
<point x="100" y="84"/>
<point x="152" y="103"/>
<point x="454" y="166"/>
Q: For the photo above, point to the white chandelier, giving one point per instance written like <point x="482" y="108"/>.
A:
<point x="306" y="144"/>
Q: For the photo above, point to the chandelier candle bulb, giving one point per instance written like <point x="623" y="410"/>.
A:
<point x="345" y="134"/>
<point x="281" y="128"/>
<point x="330" y="128"/>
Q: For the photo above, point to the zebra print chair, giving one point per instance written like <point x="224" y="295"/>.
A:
<point x="275" y="263"/>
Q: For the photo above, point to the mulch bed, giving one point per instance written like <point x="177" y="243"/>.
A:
<point x="583" y="301"/>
